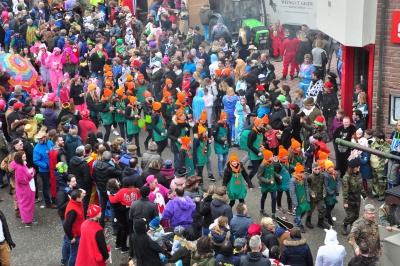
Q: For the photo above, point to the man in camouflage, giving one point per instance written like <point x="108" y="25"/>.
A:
<point x="389" y="213"/>
<point x="352" y="191"/>
<point x="378" y="165"/>
<point x="317" y="194"/>
<point x="366" y="229"/>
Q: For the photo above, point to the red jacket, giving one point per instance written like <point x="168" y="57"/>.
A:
<point x="80" y="217"/>
<point x="85" y="125"/>
<point x="125" y="196"/>
<point x="280" y="33"/>
<point x="291" y="45"/>
<point x="88" y="252"/>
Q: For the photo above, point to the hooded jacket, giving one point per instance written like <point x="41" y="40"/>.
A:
<point x="254" y="259"/>
<point x="86" y="125"/>
<point x="205" y="15"/>
<point x="102" y="172"/>
<point x="71" y="143"/>
<point x="179" y="211"/>
<point x="50" y="118"/>
<point x="80" y="168"/>
<point x="268" y="238"/>
<point x="53" y="61"/>
<point x="220" y="207"/>
<point x="184" y="253"/>
<point x="296" y="253"/>
<point x="132" y="174"/>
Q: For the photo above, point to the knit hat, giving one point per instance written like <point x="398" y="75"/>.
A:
<point x="180" y="96"/>
<point x="156" y="106"/>
<point x="91" y="87"/>
<point x="108" y="83"/>
<point x="239" y="243"/>
<point x="62" y="167"/>
<point x="168" y="164"/>
<point x="282" y="152"/>
<point x="130" y="85"/>
<point x="185" y="140"/>
<point x="354" y="162"/>
<point x="322" y="155"/>
<point x="203" y="115"/>
<point x="233" y="157"/>
<point x="144" y="191"/>
<point x="281" y="98"/>
<point x="295" y="144"/>
<point x="178" y="231"/>
<point x="257" y="121"/>
<point x="147" y="94"/>
<point x="150" y="179"/>
<point x="129" y="77"/>
<point x="253" y="230"/>
<point x="155" y="223"/>
<point x="299" y="168"/>
<point x="120" y="91"/>
<point x="93" y="210"/>
<point x="39" y="117"/>
<point x="267" y="154"/>
<point x="328" y="85"/>
<point x="319" y="120"/>
<point x="265" y="119"/>
<point x="223" y="114"/>
<point x="359" y="132"/>
<point x="132" y="99"/>
<point x="107" y="92"/>
<point x="85" y="113"/>
<point x="168" y="81"/>
<point x="328" y="164"/>
<point x="201" y="130"/>
<point x="166" y="94"/>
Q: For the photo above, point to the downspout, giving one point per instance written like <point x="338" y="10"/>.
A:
<point x="379" y="116"/>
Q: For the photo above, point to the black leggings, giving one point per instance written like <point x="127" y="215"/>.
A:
<point x="328" y="214"/>
<point x="279" y="199"/>
<point x="136" y="136"/>
<point x="149" y="137"/>
<point x="108" y="132"/>
<point x="161" y="145"/>
<point x="232" y="202"/>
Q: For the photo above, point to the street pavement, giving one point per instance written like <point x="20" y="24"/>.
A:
<point x="41" y="245"/>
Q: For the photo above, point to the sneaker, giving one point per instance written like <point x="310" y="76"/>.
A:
<point x="51" y="206"/>
<point x="117" y="247"/>
<point x="281" y="209"/>
<point x="124" y="250"/>
<point x="31" y="224"/>
<point x="292" y="212"/>
<point x="115" y="133"/>
<point x="263" y="213"/>
<point x="38" y="200"/>
<point x="63" y="262"/>
<point x="211" y="178"/>
<point x="302" y="228"/>
<point x="273" y="216"/>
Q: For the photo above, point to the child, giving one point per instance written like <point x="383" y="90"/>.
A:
<point x="295" y="153"/>
<point x="284" y="172"/>
<point x="286" y="133"/>
<point x="332" y="187"/>
<point x="156" y="231"/>
<point x="365" y="167"/>
<point x="168" y="171"/>
<point x="186" y="155"/>
<point x="285" y="103"/>
<point x="116" y="70"/>
<point x="271" y="139"/>
<point x="61" y="174"/>
<point x="203" y="151"/>
<point x="219" y="233"/>
<point x="299" y="194"/>
<point x="241" y="86"/>
<point x="263" y="106"/>
<point x="178" y="231"/>
<point x="298" y="98"/>
<point x="285" y="91"/>
<point x="362" y="105"/>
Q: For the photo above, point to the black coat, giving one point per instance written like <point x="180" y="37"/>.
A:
<point x="268" y="238"/>
<point x="97" y="65"/>
<point x="328" y="103"/>
<point x="75" y="94"/>
<point x="205" y="211"/>
<point x="93" y="107"/>
<point x="275" y="118"/>
<point x="174" y="131"/>
<point x="220" y="207"/>
<point x="80" y="169"/>
<point x="360" y="261"/>
<point x="102" y="172"/>
<point x="6" y="231"/>
<point x="228" y="175"/>
<point x="304" y="48"/>
<point x="143" y="208"/>
<point x="296" y="252"/>
<point x="250" y="96"/>
<point x="132" y="174"/>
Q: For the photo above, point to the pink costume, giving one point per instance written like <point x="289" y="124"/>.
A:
<point x="163" y="191"/>
<point x="25" y="191"/>
<point x="42" y="57"/>
<point x="53" y="62"/>
<point x="65" y="89"/>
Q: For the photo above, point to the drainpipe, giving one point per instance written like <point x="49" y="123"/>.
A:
<point x="379" y="116"/>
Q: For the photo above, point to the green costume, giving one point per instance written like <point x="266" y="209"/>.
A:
<point x="120" y="117"/>
<point x="107" y="118"/>
<point x="161" y="126"/>
<point x="266" y="176"/>
<point x="236" y="188"/>
<point x="299" y="195"/>
<point x="257" y="144"/>
<point x="222" y="134"/>
<point x="141" y="89"/>
<point x="332" y="188"/>
<point x="132" y="126"/>
<point x="296" y="158"/>
<point x="285" y="181"/>
<point x="203" y="151"/>
<point x="183" y="133"/>
<point x="352" y="191"/>
<point x="169" y="112"/>
<point x="189" y="162"/>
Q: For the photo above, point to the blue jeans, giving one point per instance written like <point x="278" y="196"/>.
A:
<point x="206" y="30"/>
<point x="256" y="164"/>
<point x="177" y="161"/>
<point x="46" y="187"/>
<point x="206" y="231"/>
<point x="273" y="201"/>
<point x="65" y="246"/>
<point x="221" y="163"/>
<point x="99" y="77"/>
<point x="103" y="204"/>
<point x="73" y="251"/>
<point x="297" y="218"/>
<point x="122" y="129"/>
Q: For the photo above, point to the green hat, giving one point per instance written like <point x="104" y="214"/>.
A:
<point x="39" y="117"/>
<point x="89" y="41"/>
<point x="281" y="98"/>
<point x="119" y="41"/>
<point x="62" y="167"/>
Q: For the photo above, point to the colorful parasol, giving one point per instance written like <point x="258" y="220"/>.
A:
<point x="21" y="70"/>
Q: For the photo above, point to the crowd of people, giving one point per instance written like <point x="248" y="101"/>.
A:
<point x="106" y="69"/>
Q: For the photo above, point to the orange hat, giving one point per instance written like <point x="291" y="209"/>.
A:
<point x="257" y="121"/>
<point x="179" y="112"/>
<point x="138" y="77"/>
<point x="299" y="168"/>
<point x="181" y="96"/>
<point x="168" y="81"/>
<point x="223" y="114"/>
<point x="282" y="152"/>
<point x="328" y="164"/>
<point x="107" y="68"/>
<point x="323" y="155"/>
<point x="265" y="119"/>
<point x="120" y="91"/>
<point x="108" y="74"/>
<point x="108" y="83"/>
<point x="107" y="92"/>
<point x="129" y="77"/>
<point x="295" y="144"/>
<point x="218" y="72"/>
<point x="130" y="85"/>
<point x="201" y="129"/>
<point x="233" y="158"/>
<point x="267" y="154"/>
<point x="147" y="94"/>
<point x="132" y="99"/>
<point x="185" y="140"/>
<point x="156" y="106"/>
<point x="166" y="94"/>
<point x="203" y="115"/>
<point x="91" y="87"/>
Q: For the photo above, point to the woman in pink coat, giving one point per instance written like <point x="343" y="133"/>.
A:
<point x="53" y="62"/>
<point x="24" y="188"/>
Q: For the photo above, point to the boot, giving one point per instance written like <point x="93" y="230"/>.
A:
<point x="302" y="229"/>
<point x="308" y="223"/>
<point x="344" y="229"/>
<point x="322" y="224"/>
<point x="138" y="152"/>
<point x="283" y="78"/>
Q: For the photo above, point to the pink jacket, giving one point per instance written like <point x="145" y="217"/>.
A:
<point x="272" y="140"/>
<point x="163" y="190"/>
<point x="53" y="61"/>
<point x="64" y="95"/>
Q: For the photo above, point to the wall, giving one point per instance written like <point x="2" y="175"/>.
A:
<point x="391" y="68"/>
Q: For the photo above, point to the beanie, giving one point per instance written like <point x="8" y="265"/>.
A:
<point x="155" y="223"/>
<point x="354" y="163"/>
<point x="282" y="152"/>
<point x="93" y="210"/>
<point x="185" y="140"/>
<point x="265" y="119"/>
<point x="295" y="144"/>
<point x="253" y="230"/>
<point x="233" y="158"/>
<point x="281" y="98"/>
<point x="319" y="120"/>
<point x="267" y="154"/>
<point x="203" y="115"/>
<point x="257" y="121"/>
<point x="156" y="106"/>
<point x="299" y="168"/>
<point x="223" y="114"/>
<point x="107" y="92"/>
<point x="147" y="94"/>
<point x="328" y="164"/>
<point x="144" y="191"/>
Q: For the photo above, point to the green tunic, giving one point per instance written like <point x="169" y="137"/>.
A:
<point x="203" y="151"/>
<point x="169" y="111"/>
<point x="132" y="126"/>
<point x="189" y="163"/>
<point x="183" y="133"/>
<point x="285" y="186"/>
<point x="257" y="145"/>
<point x="140" y="92"/>
<point x="296" y="158"/>
<point x="120" y="117"/>
<point x="331" y="200"/>
<point x="107" y="118"/>
<point x="304" y="205"/>
<point x="236" y="187"/>
<point x="269" y="174"/>
<point x="218" y="148"/>
<point x="161" y="126"/>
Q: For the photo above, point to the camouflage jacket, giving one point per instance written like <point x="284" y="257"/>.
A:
<point x="316" y="186"/>
<point x="376" y="161"/>
<point x="352" y="188"/>
<point x="386" y="215"/>
<point x="368" y="231"/>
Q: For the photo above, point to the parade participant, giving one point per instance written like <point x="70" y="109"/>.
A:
<point x="159" y="125"/>
<point x="119" y="102"/>
<point x="202" y="152"/>
<point x="387" y="214"/>
<point x="234" y="177"/>
<point x="331" y="253"/>
<point x="300" y="194"/>
<point x="285" y="170"/>
<point x="352" y="191"/>
<point x="178" y="129"/>
<point x="132" y="115"/>
<point x="106" y="112"/>
<point x="254" y="143"/>
<point x="186" y="154"/>
<point x="277" y="37"/>
<point x="295" y="155"/>
<point x="222" y="142"/>
<point x="378" y="165"/>
<point x="332" y="187"/>
<point x="317" y="195"/>
<point x="167" y="109"/>
<point x="147" y="106"/>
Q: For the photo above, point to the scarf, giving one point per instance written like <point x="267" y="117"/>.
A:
<point x="100" y="53"/>
<point x="333" y="173"/>
<point x="222" y="123"/>
<point x="236" y="170"/>
<point x="179" y="121"/>
<point x="267" y="162"/>
<point x="300" y="179"/>
<point x="187" y="148"/>
<point x="31" y="35"/>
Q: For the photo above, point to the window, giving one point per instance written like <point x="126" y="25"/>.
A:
<point x="394" y="108"/>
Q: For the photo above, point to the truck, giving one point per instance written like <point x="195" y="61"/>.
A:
<point x="292" y="14"/>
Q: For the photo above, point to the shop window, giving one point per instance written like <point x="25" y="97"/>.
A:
<point x="394" y="108"/>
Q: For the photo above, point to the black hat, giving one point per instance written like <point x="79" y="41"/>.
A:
<point x="354" y="163"/>
<point x="182" y="171"/>
<point x="144" y="191"/>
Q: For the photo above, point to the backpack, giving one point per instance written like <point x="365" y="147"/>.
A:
<point x="243" y="140"/>
<point x="169" y="240"/>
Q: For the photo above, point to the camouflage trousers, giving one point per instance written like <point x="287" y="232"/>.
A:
<point x="320" y="206"/>
<point x="352" y="211"/>
<point x="378" y="185"/>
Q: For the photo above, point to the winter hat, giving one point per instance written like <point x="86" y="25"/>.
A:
<point x="39" y="117"/>
<point x="165" y="60"/>
<point x="156" y="106"/>
<point x="91" y="87"/>
<point x="18" y="105"/>
<point x="354" y="162"/>
<point x="323" y="155"/>
<point x="62" y="167"/>
<point x="93" y="210"/>
<point x="120" y="91"/>
<point x="150" y="179"/>
<point x="359" y="132"/>
<point x="203" y="115"/>
<point x="157" y="64"/>
<point x="155" y="223"/>
<point x="166" y="94"/>
<point x="331" y="238"/>
<point x="257" y="121"/>
<point x="267" y="154"/>
<point x="261" y="77"/>
<point x="265" y="119"/>
<point x="253" y="230"/>
<point x="147" y="94"/>
<point x="328" y="164"/>
<point x="185" y="140"/>
<point x="130" y="85"/>
<point x="281" y="98"/>
<point x="201" y="130"/>
<point x="299" y="168"/>
<point x="223" y="114"/>
<point x="107" y="92"/>
<point x="295" y="144"/>
<point x="282" y="152"/>
<point x="144" y="191"/>
<point x="132" y="99"/>
<point x="129" y="77"/>
<point x="319" y="120"/>
<point x="328" y="85"/>
<point x="168" y="81"/>
<point x="239" y="243"/>
<point x="233" y="157"/>
<point x="180" y="96"/>
<point x="178" y="231"/>
<point x="168" y="164"/>
<point x="85" y="113"/>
